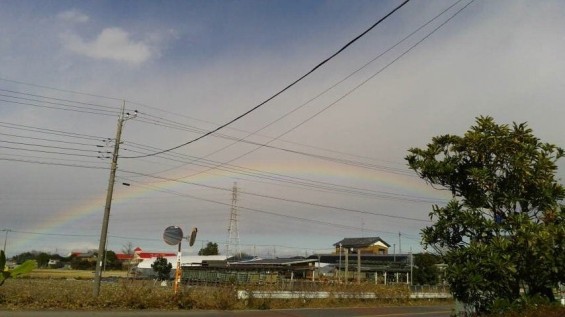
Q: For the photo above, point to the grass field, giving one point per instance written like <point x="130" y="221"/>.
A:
<point x="72" y="274"/>
<point x="73" y="292"/>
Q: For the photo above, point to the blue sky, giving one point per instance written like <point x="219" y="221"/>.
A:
<point x="193" y="65"/>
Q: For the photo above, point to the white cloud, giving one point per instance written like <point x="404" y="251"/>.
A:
<point x="74" y="16"/>
<point x="111" y="43"/>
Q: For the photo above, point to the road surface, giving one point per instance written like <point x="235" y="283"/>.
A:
<point x="393" y="311"/>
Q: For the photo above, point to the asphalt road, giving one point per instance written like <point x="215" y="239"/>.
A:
<point x="396" y="311"/>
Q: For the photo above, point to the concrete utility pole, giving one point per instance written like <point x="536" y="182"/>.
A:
<point x="5" y="239"/>
<point x="104" y="231"/>
<point x="358" y="266"/>
<point x="346" y="265"/>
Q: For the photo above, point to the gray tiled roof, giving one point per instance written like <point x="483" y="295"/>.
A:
<point x="359" y="242"/>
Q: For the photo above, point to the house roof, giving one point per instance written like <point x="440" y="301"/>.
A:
<point x="360" y="242"/>
<point x="278" y="261"/>
<point x="124" y="256"/>
<point x="149" y="255"/>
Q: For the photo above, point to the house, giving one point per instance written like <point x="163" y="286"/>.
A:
<point x="254" y="271"/>
<point x="89" y="256"/>
<point x="369" y="245"/>
<point x="139" y="255"/>
<point x="144" y="268"/>
<point x="55" y="264"/>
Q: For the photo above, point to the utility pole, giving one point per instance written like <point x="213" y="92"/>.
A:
<point x="399" y="244"/>
<point x="104" y="231"/>
<point x="411" y="267"/>
<point x="339" y="271"/>
<point x="5" y="239"/>
<point x="358" y="266"/>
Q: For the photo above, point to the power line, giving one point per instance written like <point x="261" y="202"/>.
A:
<point x="51" y="163"/>
<point x="342" y="161"/>
<point x="50" y="131"/>
<point x="299" y="181"/>
<point x="42" y="151"/>
<point x="47" y="146"/>
<point x="44" y="139"/>
<point x="62" y="107"/>
<point x="157" y="121"/>
<point x="302" y="219"/>
<point x="278" y="93"/>
<point x="110" y="108"/>
<point x="294" y="200"/>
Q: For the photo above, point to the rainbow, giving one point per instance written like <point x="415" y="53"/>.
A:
<point x="94" y="207"/>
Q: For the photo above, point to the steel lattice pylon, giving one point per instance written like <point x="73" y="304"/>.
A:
<point x="232" y="245"/>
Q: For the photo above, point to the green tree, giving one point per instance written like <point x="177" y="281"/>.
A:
<point x="162" y="267"/>
<point x="425" y="269"/>
<point x="22" y="257"/>
<point x="23" y="268"/>
<point x="210" y="249"/>
<point x="42" y="259"/>
<point x="504" y="228"/>
<point x="112" y="262"/>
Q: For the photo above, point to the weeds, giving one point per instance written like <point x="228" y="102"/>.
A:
<point x="73" y="294"/>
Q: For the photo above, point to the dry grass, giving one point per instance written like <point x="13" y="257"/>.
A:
<point x="71" y="274"/>
<point x="73" y="294"/>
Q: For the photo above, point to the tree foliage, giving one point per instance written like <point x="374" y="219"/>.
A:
<point x="162" y="267"/>
<point x="210" y="249"/>
<point x="23" y="268"/>
<point x="504" y="228"/>
<point x="425" y="269"/>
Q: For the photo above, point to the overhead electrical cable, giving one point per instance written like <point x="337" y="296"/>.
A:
<point x="158" y="109"/>
<point x="92" y="105"/>
<point x="58" y="89"/>
<point x="301" y="219"/>
<point x="74" y="160"/>
<point x="61" y="107"/>
<point x="51" y="131"/>
<point x="392" y="196"/>
<point x="44" y="139"/>
<point x="156" y="120"/>
<point x="357" y="86"/>
<point x="47" y="146"/>
<point x="259" y="146"/>
<point x="278" y="93"/>
<point x="46" y="152"/>
<point x="52" y="163"/>
<point x="298" y="181"/>
<point x="159" y="239"/>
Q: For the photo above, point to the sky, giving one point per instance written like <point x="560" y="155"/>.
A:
<point x="322" y="161"/>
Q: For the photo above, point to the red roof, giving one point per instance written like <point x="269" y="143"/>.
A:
<point x="148" y="255"/>
<point x="124" y="256"/>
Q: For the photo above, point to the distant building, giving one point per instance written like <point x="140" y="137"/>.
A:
<point x="139" y="255"/>
<point x="369" y="245"/>
<point x="144" y="268"/>
<point x="89" y="256"/>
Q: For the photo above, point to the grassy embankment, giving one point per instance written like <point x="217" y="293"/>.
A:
<point x="72" y="290"/>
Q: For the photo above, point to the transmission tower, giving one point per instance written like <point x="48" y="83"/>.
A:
<point x="233" y="233"/>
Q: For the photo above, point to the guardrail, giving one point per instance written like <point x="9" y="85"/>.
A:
<point x="323" y="295"/>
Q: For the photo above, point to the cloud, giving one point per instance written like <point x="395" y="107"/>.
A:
<point x="74" y="16"/>
<point x="112" y="43"/>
